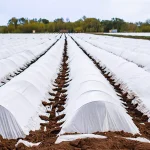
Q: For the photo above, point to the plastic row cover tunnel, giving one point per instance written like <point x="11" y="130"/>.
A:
<point x="18" y="60"/>
<point x="127" y="73"/>
<point x="11" y="44"/>
<point x="22" y="96"/>
<point x="92" y="102"/>
<point x="132" y="50"/>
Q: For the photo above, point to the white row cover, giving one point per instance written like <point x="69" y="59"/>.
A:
<point x="9" y="127"/>
<point x="131" y="34"/>
<point x="92" y="103"/>
<point x="15" y="61"/>
<point x="11" y="44"/>
<point x="134" y="79"/>
<point x="23" y="95"/>
<point x="133" y="50"/>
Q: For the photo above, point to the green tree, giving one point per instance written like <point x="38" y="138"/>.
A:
<point x="13" y="21"/>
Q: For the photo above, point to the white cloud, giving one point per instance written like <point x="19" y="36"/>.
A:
<point x="129" y="10"/>
<point x="3" y="19"/>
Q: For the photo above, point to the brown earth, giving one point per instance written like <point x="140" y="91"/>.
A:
<point x="115" y="143"/>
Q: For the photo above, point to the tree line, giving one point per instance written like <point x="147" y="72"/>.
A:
<point x="25" y="25"/>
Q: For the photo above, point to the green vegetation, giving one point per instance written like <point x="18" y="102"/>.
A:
<point x="25" y="25"/>
<point x="2" y="29"/>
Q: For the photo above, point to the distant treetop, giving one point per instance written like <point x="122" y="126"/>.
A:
<point x="84" y="24"/>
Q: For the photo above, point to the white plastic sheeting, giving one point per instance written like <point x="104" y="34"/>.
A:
<point x="28" y="144"/>
<point x="9" y="128"/>
<point x="131" y="34"/>
<point x="16" y="56"/>
<point x="140" y="139"/>
<point x="64" y="138"/>
<point x="92" y="103"/>
<point x="133" y="50"/>
<point x="24" y="94"/>
<point x="134" y="79"/>
<point x="11" y="44"/>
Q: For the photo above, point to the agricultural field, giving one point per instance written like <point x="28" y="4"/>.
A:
<point x="132" y="34"/>
<point x="143" y="36"/>
<point x="74" y="92"/>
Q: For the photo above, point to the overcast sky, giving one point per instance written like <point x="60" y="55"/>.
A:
<point x="129" y="10"/>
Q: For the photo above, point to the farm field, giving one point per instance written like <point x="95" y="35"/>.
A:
<point x="143" y="36"/>
<point x="74" y="92"/>
<point x="132" y="34"/>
